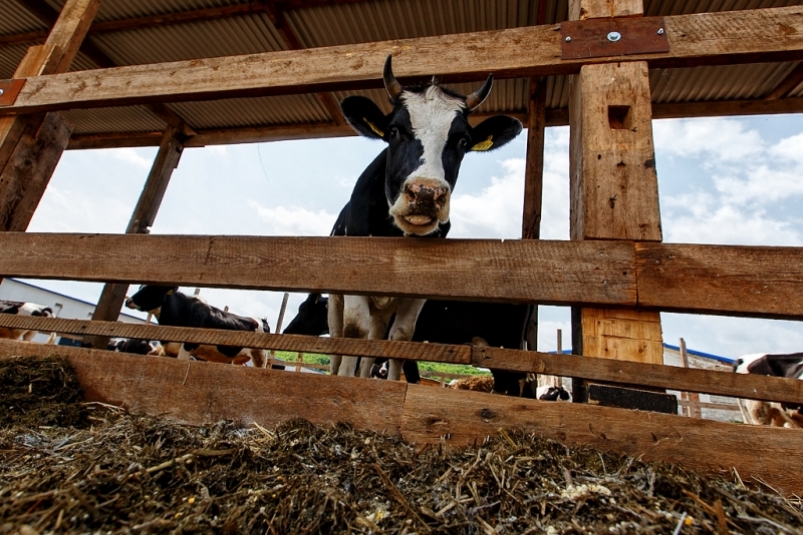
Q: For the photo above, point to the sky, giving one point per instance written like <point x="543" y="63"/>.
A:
<point x="735" y="181"/>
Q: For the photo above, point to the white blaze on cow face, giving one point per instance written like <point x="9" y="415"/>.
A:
<point x="423" y="201"/>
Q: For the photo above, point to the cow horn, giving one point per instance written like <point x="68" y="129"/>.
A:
<point x="476" y="98"/>
<point x="392" y="85"/>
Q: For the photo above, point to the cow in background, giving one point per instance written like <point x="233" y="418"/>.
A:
<point x="22" y="309"/>
<point x="131" y="345"/>
<point x="758" y="412"/>
<point x="406" y="191"/>
<point x="441" y="322"/>
<point x="173" y="308"/>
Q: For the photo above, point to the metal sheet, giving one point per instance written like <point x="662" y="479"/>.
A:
<point x="596" y="38"/>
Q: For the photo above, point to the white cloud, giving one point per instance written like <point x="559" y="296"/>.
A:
<point x="790" y="148"/>
<point x="131" y="156"/>
<point x="719" y="139"/>
<point x="67" y="210"/>
<point x="496" y="210"/>
<point x="294" y="221"/>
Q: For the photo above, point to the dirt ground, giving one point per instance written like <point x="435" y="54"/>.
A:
<point x="71" y="467"/>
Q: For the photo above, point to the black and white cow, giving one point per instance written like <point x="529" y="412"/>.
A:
<point x="22" y="309"/>
<point x="441" y="322"/>
<point x="406" y="191"/>
<point x="758" y="412"/>
<point x="173" y="308"/>
<point x="131" y="345"/>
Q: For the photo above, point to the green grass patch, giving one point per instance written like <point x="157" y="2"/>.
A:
<point x="313" y="358"/>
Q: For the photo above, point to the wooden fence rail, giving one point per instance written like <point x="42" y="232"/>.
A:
<point x="200" y="393"/>
<point x="735" y="280"/>
<point x="748" y="36"/>
<point x="625" y="372"/>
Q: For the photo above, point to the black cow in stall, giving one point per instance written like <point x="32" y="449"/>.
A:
<point x="442" y="322"/>
<point x="406" y="191"/>
<point x="789" y="366"/>
<point x="173" y="308"/>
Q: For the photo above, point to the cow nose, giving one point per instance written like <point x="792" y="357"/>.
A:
<point x="426" y="194"/>
<point x="129" y="303"/>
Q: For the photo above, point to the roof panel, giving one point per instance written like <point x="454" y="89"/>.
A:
<point x="110" y="120"/>
<point x="17" y="19"/>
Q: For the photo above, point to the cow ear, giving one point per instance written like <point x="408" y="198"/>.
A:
<point x="364" y="116"/>
<point x="494" y="132"/>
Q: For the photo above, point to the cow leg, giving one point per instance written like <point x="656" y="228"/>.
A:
<point x="356" y="322"/>
<point x="335" y="320"/>
<point x="28" y="336"/>
<point x="403" y="329"/>
<point x="379" y="327"/>
<point x="183" y="354"/>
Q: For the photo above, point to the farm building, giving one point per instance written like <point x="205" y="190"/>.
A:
<point x="179" y="74"/>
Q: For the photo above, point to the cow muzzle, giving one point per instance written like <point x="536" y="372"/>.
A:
<point x="422" y="205"/>
<point x="129" y="303"/>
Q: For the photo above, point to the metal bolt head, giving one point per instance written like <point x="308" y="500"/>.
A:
<point x="614" y="36"/>
<point x="568" y="39"/>
<point x="660" y="31"/>
<point x="1" y="92"/>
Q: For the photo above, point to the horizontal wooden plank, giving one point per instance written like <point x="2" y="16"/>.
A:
<point x="554" y="117"/>
<point x="308" y="344"/>
<point x="758" y="35"/>
<point x="637" y="373"/>
<point x="199" y="393"/>
<point x="715" y="279"/>
<point x="539" y="271"/>
<point x="459" y="417"/>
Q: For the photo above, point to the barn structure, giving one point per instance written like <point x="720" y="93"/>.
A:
<point x="184" y="73"/>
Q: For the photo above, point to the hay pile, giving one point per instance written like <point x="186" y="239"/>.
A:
<point x="132" y="474"/>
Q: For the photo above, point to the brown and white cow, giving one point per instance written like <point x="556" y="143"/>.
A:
<point x="406" y="191"/>
<point x="758" y="412"/>
<point x="22" y="309"/>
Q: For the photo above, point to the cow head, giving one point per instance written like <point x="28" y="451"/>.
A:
<point x="428" y="134"/>
<point x="311" y="318"/>
<point x="149" y="298"/>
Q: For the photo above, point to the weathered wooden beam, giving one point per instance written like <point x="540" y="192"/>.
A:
<point x="745" y="281"/>
<point x="462" y="417"/>
<point x="307" y="344"/>
<point x="759" y="35"/>
<point x="112" y="296"/>
<point x="198" y="393"/>
<point x="28" y="172"/>
<point x="785" y="86"/>
<point x="537" y="271"/>
<point x="534" y="169"/>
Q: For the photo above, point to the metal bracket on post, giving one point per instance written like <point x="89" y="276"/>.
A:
<point x="623" y="36"/>
<point x="9" y="89"/>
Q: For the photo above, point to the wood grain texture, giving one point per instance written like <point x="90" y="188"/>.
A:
<point x="459" y="417"/>
<point x="27" y="173"/>
<point x="199" y="393"/>
<point x="758" y="35"/>
<point x="711" y="278"/>
<point x="70" y="29"/>
<point x="534" y="170"/>
<point x="306" y="344"/>
<point x="613" y="183"/>
<point x="623" y="334"/>
<point x="648" y="375"/>
<point x="543" y="271"/>
<point x="590" y="9"/>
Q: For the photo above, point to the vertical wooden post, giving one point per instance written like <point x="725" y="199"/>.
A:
<point x="613" y="185"/>
<point x="534" y="185"/>
<point x="113" y="295"/>
<point x="693" y="409"/>
<point x="55" y="56"/>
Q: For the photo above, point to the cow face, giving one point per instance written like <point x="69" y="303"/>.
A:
<point x="149" y="298"/>
<point x="311" y="318"/>
<point x="428" y="134"/>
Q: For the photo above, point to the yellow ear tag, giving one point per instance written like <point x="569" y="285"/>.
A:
<point x="484" y="145"/>
<point x="170" y="292"/>
<point x="373" y="127"/>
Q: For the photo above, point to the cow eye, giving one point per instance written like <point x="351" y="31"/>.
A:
<point x="393" y="132"/>
<point x="463" y="142"/>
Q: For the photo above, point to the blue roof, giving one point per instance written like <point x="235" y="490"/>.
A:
<point x="726" y="360"/>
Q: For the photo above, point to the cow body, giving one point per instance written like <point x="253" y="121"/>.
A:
<point x="442" y="322"/>
<point x="22" y="309"/>
<point x="173" y="308"/>
<point x="758" y="412"/>
<point x="405" y="192"/>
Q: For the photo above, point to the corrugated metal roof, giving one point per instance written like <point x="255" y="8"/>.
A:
<point x="354" y="22"/>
